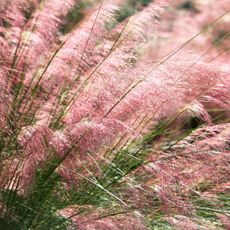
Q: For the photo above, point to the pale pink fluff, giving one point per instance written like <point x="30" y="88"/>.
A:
<point x="14" y="14"/>
<point x="177" y="177"/>
<point x="103" y="88"/>
<point x="88" y="137"/>
<point x="40" y="145"/>
<point x="170" y="88"/>
<point x="156" y="94"/>
<point x="48" y="20"/>
<point x="182" y="222"/>
<point x="5" y="100"/>
<point x="80" y="52"/>
<point x="224" y="220"/>
<point x="73" y="59"/>
<point x="181" y="25"/>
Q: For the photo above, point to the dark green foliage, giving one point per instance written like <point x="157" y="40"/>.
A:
<point x="131" y="7"/>
<point x="38" y="210"/>
<point x="188" y="5"/>
<point x="75" y="15"/>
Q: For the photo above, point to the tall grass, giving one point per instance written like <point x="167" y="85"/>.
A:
<point x="101" y="128"/>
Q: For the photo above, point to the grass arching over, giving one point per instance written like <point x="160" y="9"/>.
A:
<point x="71" y="144"/>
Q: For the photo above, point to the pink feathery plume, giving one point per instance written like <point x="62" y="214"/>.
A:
<point x="95" y="220"/>
<point x="181" y="24"/>
<point x="90" y="137"/>
<point x="224" y="220"/>
<point x="12" y="20"/>
<point x="5" y="100"/>
<point x="79" y="48"/>
<point x="43" y="32"/>
<point x="185" y="168"/>
<point x="102" y="88"/>
<point x="184" y="81"/>
<point x="40" y="145"/>
<point x="80" y="45"/>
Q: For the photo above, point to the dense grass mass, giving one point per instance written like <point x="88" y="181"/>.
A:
<point x="114" y="114"/>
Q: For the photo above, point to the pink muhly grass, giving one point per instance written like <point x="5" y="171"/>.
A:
<point x="13" y="32"/>
<point x="90" y="136"/>
<point x="225" y="221"/>
<point x="116" y="221"/>
<point x="166" y="82"/>
<point x="40" y="144"/>
<point x="182" y="222"/>
<point x="49" y="17"/>
<point x="37" y="41"/>
<point x="87" y="117"/>
<point x="181" y="175"/>
<point x="117" y="67"/>
<point x="80" y="45"/>
<point x="5" y="99"/>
